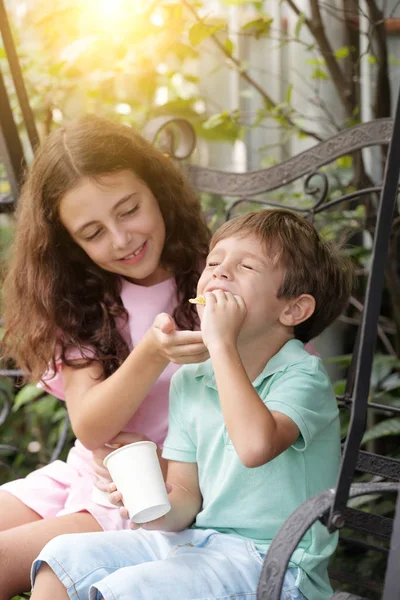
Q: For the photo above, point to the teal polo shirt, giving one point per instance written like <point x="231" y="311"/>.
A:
<point x="253" y="503"/>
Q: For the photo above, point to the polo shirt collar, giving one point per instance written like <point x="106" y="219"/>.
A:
<point x="290" y="353"/>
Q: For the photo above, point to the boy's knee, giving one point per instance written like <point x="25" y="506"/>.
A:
<point x="67" y="544"/>
<point x="148" y="581"/>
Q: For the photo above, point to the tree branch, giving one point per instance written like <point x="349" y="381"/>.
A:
<point x="382" y="103"/>
<point x="245" y="75"/>
<point x="316" y="27"/>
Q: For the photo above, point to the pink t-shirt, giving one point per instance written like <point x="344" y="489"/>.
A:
<point x="63" y="488"/>
<point x="142" y="304"/>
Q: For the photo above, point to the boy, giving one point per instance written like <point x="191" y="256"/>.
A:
<point x="253" y="433"/>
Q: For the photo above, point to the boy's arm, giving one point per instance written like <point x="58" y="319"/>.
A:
<point x="184" y="496"/>
<point x="258" y="434"/>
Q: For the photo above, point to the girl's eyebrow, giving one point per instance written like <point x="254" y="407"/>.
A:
<point x="114" y="208"/>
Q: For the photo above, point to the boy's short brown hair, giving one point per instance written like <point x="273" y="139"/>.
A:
<point x="312" y="266"/>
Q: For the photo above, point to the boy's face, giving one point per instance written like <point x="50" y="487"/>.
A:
<point x="241" y="266"/>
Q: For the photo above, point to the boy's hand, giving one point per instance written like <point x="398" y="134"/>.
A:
<point x="222" y="318"/>
<point x="116" y="498"/>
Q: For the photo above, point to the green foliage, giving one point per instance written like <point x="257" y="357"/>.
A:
<point x="31" y="431"/>
<point x="201" y="31"/>
<point x="258" y="27"/>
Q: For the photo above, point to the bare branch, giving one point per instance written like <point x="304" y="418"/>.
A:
<point x="316" y="27"/>
<point x="396" y="6"/>
<point x="382" y="104"/>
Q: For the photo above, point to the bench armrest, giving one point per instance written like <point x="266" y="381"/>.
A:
<point x="289" y="535"/>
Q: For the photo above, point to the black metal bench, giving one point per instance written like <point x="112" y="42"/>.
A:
<point x="254" y="189"/>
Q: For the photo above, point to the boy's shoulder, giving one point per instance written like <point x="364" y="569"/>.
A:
<point x="291" y="357"/>
<point x="294" y="370"/>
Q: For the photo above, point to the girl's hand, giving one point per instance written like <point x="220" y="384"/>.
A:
<point x="180" y="347"/>
<point x="222" y="318"/>
<point x="116" y="498"/>
<point x="102" y="476"/>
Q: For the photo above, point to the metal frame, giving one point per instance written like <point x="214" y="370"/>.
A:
<point x="293" y="530"/>
<point x="11" y="150"/>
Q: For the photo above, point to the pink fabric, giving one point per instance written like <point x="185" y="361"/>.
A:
<point x="311" y="349"/>
<point x="64" y="488"/>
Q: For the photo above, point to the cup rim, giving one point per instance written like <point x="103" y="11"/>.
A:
<point x="144" y="442"/>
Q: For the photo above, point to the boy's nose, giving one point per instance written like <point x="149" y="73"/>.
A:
<point x="221" y="272"/>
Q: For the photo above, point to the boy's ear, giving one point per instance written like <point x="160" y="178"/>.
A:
<point x="297" y="310"/>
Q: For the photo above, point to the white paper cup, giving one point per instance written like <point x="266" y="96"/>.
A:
<point x="136" y="471"/>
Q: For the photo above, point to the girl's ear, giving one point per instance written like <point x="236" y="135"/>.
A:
<point x="297" y="310"/>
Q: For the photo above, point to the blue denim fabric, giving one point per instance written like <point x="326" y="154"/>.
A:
<point x="151" y="565"/>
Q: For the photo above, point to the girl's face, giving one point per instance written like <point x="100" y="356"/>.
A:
<point x="117" y="221"/>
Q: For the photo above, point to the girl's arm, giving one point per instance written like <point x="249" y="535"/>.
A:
<point x="100" y="408"/>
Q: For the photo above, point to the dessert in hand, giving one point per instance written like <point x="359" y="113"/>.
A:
<point x="198" y="300"/>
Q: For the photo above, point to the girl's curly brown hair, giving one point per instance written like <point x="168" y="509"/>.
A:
<point x="54" y="296"/>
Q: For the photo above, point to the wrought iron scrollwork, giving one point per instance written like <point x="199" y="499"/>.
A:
<point x="319" y="191"/>
<point x="174" y="136"/>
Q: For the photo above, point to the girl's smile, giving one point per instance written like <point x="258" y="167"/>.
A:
<point x="116" y="220"/>
<point x="136" y="256"/>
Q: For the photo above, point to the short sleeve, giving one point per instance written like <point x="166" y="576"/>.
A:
<point x="178" y="445"/>
<point x="52" y="380"/>
<point x="304" y="393"/>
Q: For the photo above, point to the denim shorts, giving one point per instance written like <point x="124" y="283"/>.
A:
<point x="193" y="564"/>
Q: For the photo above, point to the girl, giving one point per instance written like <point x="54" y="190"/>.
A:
<point x="110" y="241"/>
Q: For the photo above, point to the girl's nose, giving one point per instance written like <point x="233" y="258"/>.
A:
<point x="121" y="238"/>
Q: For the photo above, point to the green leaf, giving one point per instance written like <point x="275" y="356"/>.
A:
<point x="372" y="59"/>
<point x="346" y="162"/>
<point x="289" y="93"/>
<point x="344" y="360"/>
<point x="268" y="161"/>
<point x="300" y="22"/>
<point x="259" y="27"/>
<point x="229" y="46"/>
<point x="385" y="428"/>
<point x="183" y="51"/>
<point x="216" y="120"/>
<point x="342" y="52"/>
<point x="319" y="74"/>
<point x="200" y="31"/>
<point x="27" y="394"/>
<point x="191" y="78"/>
<point x="319" y="62"/>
